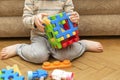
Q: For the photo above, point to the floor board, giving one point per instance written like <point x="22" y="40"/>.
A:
<point x="90" y="66"/>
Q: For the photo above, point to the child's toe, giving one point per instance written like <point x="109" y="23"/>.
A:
<point x="3" y="55"/>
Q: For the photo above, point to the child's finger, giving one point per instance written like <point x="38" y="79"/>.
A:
<point x="41" y="16"/>
<point x="39" y="24"/>
<point x="74" y="19"/>
<point x="74" y="14"/>
<point x="39" y="20"/>
<point x="44" y="14"/>
<point x="40" y="27"/>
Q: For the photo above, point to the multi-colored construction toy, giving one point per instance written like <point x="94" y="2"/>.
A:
<point x="61" y="32"/>
<point x="56" y="64"/>
<point x="15" y="68"/>
<point x="58" y="74"/>
<point x="37" y="75"/>
<point x="10" y="75"/>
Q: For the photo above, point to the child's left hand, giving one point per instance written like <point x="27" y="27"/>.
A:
<point x="74" y="17"/>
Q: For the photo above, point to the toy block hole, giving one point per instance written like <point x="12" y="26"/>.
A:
<point x="61" y="14"/>
<point x="62" y="22"/>
<point x="52" y="17"/>
<point x="53" y="25"/>
<point x="66" y="25"/>
<point x="75" y="25"/>
<point x="50" y="35"/>
<point x="62" y="30"/>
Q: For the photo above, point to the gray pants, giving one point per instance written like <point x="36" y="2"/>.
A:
<point x="39" y="50"/>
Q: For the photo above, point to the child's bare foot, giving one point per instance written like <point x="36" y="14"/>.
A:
<point x="8" y="52"/>
<point x="93" y="46"/>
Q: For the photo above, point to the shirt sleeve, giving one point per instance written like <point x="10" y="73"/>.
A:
<point x="69" y="7"/>
<point x="28" y="14"/>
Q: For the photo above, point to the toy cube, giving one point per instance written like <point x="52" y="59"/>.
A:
<point x="61" y="32"/>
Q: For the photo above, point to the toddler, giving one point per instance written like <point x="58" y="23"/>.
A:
<point x="39" y="50"/>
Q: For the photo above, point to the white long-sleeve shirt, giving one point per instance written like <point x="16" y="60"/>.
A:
<point x="51" y="7"/>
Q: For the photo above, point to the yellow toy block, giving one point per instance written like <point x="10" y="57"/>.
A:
<point x="56" y="64"/>
<point x="62" y="38"/>
<point x="74" y="33"/>
<point x="46" y="20"/>
<point x="68" y="35"/>
<point x="15" y="68"/>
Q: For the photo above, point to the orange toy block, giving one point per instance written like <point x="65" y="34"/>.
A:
<point x="56" y="64"/>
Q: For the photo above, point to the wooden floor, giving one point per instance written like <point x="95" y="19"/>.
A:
<point x="90" y="66"/>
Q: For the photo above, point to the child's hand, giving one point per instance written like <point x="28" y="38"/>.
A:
<point x="74" y="17"/>
<point x="39" y="21"/>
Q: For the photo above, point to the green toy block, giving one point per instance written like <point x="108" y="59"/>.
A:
<point x="0" y="75"/>
<point x="51" y="34"/>
<point x="58" y="29"/>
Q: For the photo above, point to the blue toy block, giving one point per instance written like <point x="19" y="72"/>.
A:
<point x="59" y="26"/>
<point x="38" y="74"/>
<point x="9" y="74"/>
<point x="60" y="30"/>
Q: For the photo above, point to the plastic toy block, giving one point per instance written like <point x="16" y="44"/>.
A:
<point x="58" y="74"/>
<point x="56" y="64"/>
<point x="58" y="28"/>
<point x="38" y="74"/>
<point x="10" y="75"/>
<point x="70" y="40"/>
<point x="0" y="75"/>
<point x="15" y="68"/>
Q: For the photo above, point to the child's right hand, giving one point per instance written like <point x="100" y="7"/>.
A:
<point x="39" y="21"/>
<point x="74" y="17"/>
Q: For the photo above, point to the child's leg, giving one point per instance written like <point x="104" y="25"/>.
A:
<point x="36" y="52"/>
<point x="76" y="50"/>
